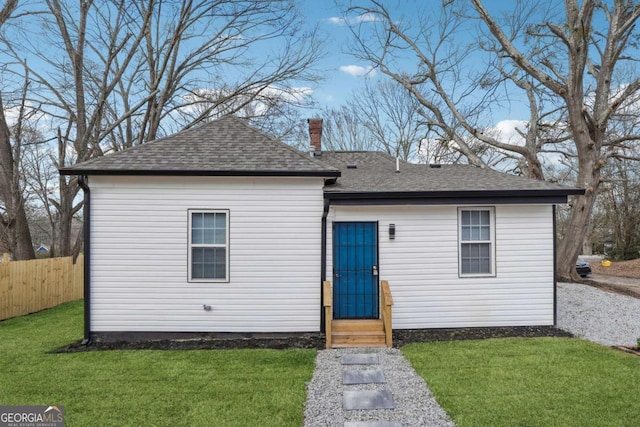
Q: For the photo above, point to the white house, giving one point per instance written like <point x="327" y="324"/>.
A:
<point x="221" y="228"/>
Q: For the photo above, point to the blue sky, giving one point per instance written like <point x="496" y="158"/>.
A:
<point x="344" y="73"/>
<point x="339" y="82"/>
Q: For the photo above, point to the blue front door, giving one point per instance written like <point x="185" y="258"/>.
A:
<point x="355" y="270"/>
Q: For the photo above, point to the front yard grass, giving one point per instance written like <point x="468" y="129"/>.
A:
<point x="147" y="387"/>
<point x="531" y="382"/>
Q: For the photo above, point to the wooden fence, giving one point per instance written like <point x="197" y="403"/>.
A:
<point x="30" y="286"/>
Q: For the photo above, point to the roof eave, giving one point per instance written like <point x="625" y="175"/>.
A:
<point x="171" y="172"/>
<point x="553" y="196"/>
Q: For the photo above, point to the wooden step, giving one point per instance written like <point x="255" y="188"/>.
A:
<point x="357" y="333"/>
<point x="339" y="341"/>
<point x="357" y="325"/>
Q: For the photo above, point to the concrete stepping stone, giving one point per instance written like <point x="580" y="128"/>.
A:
<point x="373" y="424"/>
<point x="360" y="359"/>
<point x="367" y="399"/>
<point x="367" y="376"/>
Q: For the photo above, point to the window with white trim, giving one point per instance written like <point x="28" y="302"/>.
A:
<point x="208" y="245"/>
<point x="476" y="241"/>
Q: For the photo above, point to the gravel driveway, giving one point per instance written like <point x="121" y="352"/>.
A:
<point x="599" y="316"/>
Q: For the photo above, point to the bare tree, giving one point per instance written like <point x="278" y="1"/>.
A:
<point x="112" y="73"/>
<point x="392" y="117"/>
<point x="615" y="225"/>
<point x="381" y="116"/>
<point x="384" y="116"/>
<point x="73" y="85"/>
<point x="618" y="218"/>
<point x="565" y="62"/>
<point x="275" y="110"/>
<point x="344" y="130"/>
<point x="583" y="77"/>
<point x="213" y="39"/>
<point x="7" y="10"/>
<point x="40" y="177"/>
<point x="13" y="221"/>
<point x="456" y="98"/>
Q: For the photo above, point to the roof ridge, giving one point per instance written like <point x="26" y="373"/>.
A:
<point x="224" y="145"/>
<point x="162" y="138"/>
<point x="382" y="154"/>
<point x="284" y="144"/>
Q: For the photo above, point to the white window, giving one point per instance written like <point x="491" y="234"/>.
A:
<point x="208" y="246"/>
<point x="476" y="241"/>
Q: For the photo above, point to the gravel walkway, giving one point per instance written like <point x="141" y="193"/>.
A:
<point x="585" y="311"/>
<point x="414" y="403"/>
<point x="599" y="316"/>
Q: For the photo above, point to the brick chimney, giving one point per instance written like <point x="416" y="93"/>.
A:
<point x="315" y="133"/>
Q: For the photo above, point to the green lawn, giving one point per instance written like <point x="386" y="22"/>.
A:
<point x="146" y="387"/>
<point x="531" y="382"/>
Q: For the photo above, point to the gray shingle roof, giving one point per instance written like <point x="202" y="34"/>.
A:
<point x="230" y="147"/>
<point x="375" y="172"/>
<point x="227" y="146"/>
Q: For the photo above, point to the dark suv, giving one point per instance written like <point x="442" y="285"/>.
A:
<point x="583" y="267"/>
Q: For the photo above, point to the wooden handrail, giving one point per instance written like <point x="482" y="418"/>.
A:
<point x="327" y="298"/>
<point x="387" y="303"/>
<point x="386" y="292"/>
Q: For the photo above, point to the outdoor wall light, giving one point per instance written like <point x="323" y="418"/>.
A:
<point x="392" y="231"/>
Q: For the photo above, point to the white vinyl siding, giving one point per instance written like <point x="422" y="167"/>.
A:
<point x="140" y="262"/>
<point x="421" y="265"/>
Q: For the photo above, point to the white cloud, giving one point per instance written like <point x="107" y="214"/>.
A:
<point x="32" y="116"/>
<point x="358" y="71"/>
<point x="506" y="131"/>
<point x="195" y="102"/>
<point x="336" y="20"/>
<point x="11" y="115"/>
<point x="366" y="17"/>
<point x="296" y="95"/>
<point x="354" y="20"/>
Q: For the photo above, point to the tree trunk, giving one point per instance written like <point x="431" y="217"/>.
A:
<point x="23" y="249"/>
<point x="570" y="245"/>
<point x="65" y="218"/>
<point x="587" y="245"/>
<point x="78" y="246"/>
<point x="14" y="221"/>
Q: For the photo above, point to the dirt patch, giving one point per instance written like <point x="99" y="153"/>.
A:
<point x="403" y="337"/>
<point x="316" y="341"/>
<point x="301" y="341"/>
<point x="629" y="349"/>
<point x="616" y="288"/>
<point x="629" y="269"/>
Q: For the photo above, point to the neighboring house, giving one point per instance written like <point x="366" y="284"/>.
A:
<point x="221" y="228"/>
